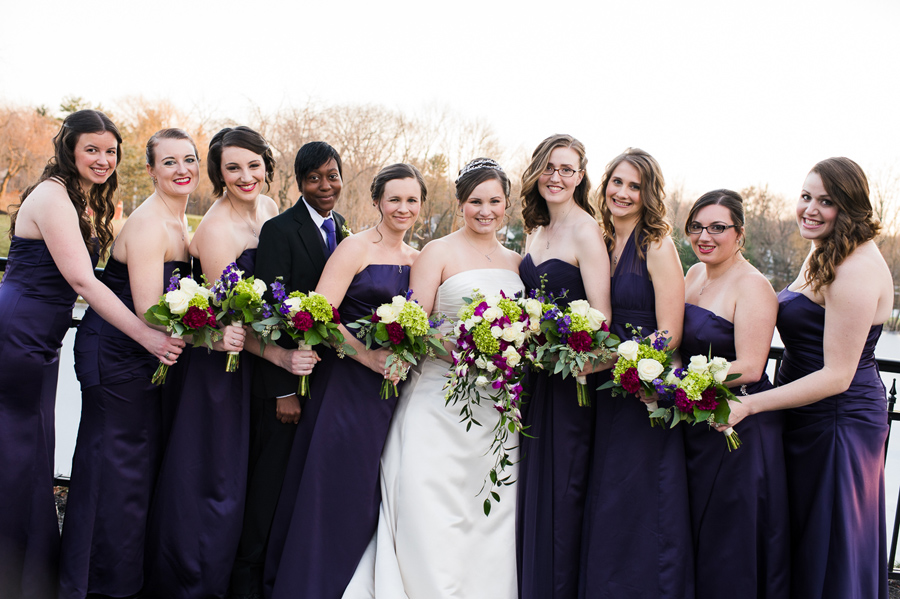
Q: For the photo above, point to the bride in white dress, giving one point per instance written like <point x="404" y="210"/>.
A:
<point x="433" y="539"/>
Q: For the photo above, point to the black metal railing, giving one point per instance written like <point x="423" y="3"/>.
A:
<point x="775" y="354"/>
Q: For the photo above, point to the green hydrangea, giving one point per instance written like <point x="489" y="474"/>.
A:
<point x="579" y="323"/>
<point x="694" y="384"/>
<point x="484" y="341"/>
<point x="244" y="286"/>
<point x="622" y="366"/>
<point x="198" y="301"/>
<point x="317" y="305"/>
<point x="645" y="351"/>
<point x="413" y="319"/>
<point x="510" y="309"/>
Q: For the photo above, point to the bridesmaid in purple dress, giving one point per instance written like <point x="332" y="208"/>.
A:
<point x="117" y="452"/>
<point x="60" y="227"/>
<point x="730" y="311"/>
<point x="637" y="525"/>
<point x="197" y="512"/>
<point x="830" y="319"/>
<point x="328" y="509"/>
<point x="564" y="251"/>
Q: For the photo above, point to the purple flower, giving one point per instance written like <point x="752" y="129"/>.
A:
<point x="173" y="281"/>
<point x="563" y="325"/>
<point x="680" y="373"/>
<point x="266" y="311"/>
<point x="660" y="343"/>
<point x="278" y="291"/>
<point x="481" y="308"/>
<point x="409" y="294"/>
<point x="438" y="321"/>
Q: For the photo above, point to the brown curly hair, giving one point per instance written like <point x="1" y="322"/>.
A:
<point x="95" y="211"/>
<point x="847" y="186"/>
<point x="534" y="206"/>
<point x="653" y="225"/>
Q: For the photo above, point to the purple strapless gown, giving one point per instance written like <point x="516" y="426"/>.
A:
<point x="116" y="455"/>
<point x="738" y="499"/>
<point x="328" y="509"/>
<point x="637" y="523"/>
<point x="197" y="512"/>
<point x="554" y="462"/>
<point x="35" y="313"/>
<point x="834" y="451"/>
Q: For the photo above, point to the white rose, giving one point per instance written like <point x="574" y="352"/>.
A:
<point x="512" y="356"/>
<point x="496" y="332"/>
<point x="398" y="302"/>
<point x="491" y="367"/>
<point x="178" y="301"/>
<point x="482" y="381"/>
<point x="718" y="364"/>
<point x="475" y="319"/>
<point x="720" y="376"/>
<point x="580" y="307"/>
<point x="493" y="301"/>
<point x="671" y="379"/>
<point x="649" y="369"/>
<point x="519" y="339"/>
<point x="698" y="364"/>
<point x="492" y="314"/>
<point x="293" y="304"/>
<point x="189" y="286"/>
<point x="628" y="349"/>
<point x="480" y="362"/>
<point x="595" y="319"/>
<point x="259" y="286"/>
<point x="510" y="334"/>
<point x="533" y="308"/>
<point x="386" y="314"/>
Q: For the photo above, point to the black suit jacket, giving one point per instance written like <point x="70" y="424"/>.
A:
<point x="290" y="247"/>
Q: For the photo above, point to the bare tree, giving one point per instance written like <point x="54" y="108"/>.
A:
<point x="25" y="147"/>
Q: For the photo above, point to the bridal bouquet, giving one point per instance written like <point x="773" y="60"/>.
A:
<point x="403" y="327"/>
<point x="700" y="395"/>
<point x="240" y="302"/>
<point x="491" y="338"/>
<point x="309" y="320"/>
<point x="575" y="336"/>
<point x="641" y="364"/>
<point x="184" y="310"/>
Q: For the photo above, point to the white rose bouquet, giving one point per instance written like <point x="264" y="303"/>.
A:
<point x="403" y="327"/>
<point x="641" y="364"/>
<point x="492" y="350"/>
<point x="240" y="301"/>
<point x="700" y="395"/>
<point x="184" y="310"/>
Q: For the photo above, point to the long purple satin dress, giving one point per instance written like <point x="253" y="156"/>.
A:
<point x="35" y="313"/>
<point x="117" y="454"/>
<point x="328" y="509"/>
<point x="198" y="510"/>
<point x="637" y="523"/>
<point x="834" y="450"/>
<point x="554" y="461"/>
<point x="739" y="507"/>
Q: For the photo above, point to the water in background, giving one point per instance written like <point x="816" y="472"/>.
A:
<point x="68" y="413"/>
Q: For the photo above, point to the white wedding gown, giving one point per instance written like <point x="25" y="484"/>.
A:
<point x="433" y="539"/>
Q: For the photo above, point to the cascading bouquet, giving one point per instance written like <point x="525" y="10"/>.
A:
<point x="240" y="302"/>
<point x="575" y="336"/>
<point x="491" y="339"/>
<point x="309" y="320"/>
<point x="641" y="364"/>
<point x="403" y="327"/>
<point x="184" y="310"/>
<point x="700" y="395"/>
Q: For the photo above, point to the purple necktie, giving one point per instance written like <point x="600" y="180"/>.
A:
<point x="331" y="241"/>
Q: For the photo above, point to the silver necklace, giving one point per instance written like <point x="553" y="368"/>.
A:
<point x="488" y="255"/>
<point x="252" y="230"/>
<point x="551" y="234"/>
<point x="172" y="212"/>
<point x="710" y="282"/>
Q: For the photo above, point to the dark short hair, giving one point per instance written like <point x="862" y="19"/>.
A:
<point x="311" y="156"/>
<point x="237" y="137"/>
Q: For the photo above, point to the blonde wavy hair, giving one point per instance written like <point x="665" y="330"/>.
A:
<point x="856" y="223"/>
<point x="653" y="225"/>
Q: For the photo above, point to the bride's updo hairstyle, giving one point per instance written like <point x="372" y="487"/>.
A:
<point x="534" y="206"/>
<point x="856" y="223"/>
<point x="477" y="172"/>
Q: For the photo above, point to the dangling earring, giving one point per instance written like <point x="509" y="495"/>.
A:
<point x="152" y="178"/>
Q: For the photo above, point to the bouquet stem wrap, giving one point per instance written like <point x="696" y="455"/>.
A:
<point x="234" y="357"/>
<point x="582" y="391"/>
<point x="303" y="388"/>
<point x="159" y="377"/>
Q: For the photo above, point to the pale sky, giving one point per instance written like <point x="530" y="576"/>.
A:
<point x="723" y="94"/>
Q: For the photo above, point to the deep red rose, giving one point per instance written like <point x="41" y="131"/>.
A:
<point x="604" y="327"/>
<point x="682" y="402"/>
<point x="375" y="319"/>
<point x="303" y="321"/>
<point x="335" y="316"/>
<point x="195" y="317"/>
<point x="395" y="333"/>
<point x="580" y="341"/>
<point x="708" y="399"/>
<point x="212" y="318"/>
<point x="630" y="381"/>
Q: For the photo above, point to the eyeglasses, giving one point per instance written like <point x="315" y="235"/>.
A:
<point x="714" y="229"/>
<point x="563" y="171"/>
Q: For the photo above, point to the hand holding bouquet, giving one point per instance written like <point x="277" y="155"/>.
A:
<point x="240" y="302"/>
<point x="184" y="310"/>
<point x="641" y="364"/>
<point x="403" y="328"/>
<point x="576" y="336"/>
<point x="491" y="338"/>
<point x="309" y="320"/>
<point x="700" y="395"/>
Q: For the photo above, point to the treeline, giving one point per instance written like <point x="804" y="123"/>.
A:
<point x="369" y="137"/>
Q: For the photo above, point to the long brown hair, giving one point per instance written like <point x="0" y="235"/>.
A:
<point x="653" y="225"/>
<point x="847" y="186"/>
<point x="534" y="206"/>
<point x="96" y="211"/>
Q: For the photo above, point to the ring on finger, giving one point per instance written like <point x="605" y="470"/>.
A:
<point x="167" y="355"/>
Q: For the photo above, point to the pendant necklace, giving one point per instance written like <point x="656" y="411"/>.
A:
<point x="562" y="222"/>
<point x="252" y="230"/>
<point x="710" y="282"/>
<point x="180" y="220"/>
<point x="488" y="255"/>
